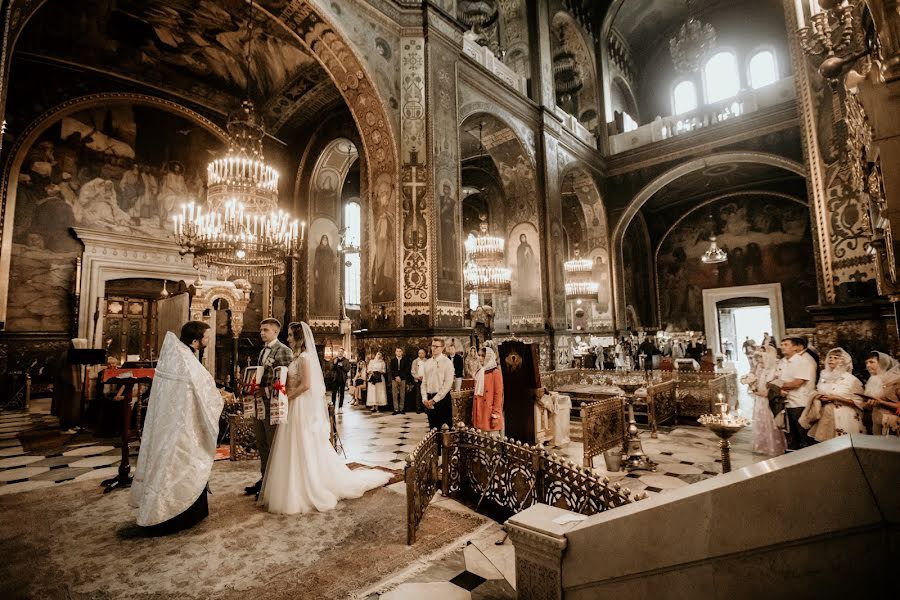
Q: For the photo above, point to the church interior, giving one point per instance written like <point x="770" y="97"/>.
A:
<point x="653" y="238"/>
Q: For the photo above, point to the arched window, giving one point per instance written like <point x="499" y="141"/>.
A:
<point x="684" y="97"/>
<point x="352" y="271"/>
<point x="762" y="70"/>
<point x="721" y="77"/>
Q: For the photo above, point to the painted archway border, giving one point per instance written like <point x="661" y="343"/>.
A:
<point x="36" y="128"/>
<point x="660" y="182"/>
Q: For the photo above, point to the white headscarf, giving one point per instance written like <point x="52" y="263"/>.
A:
<point x="490" y="362"/>
<point x="845" y="365"/>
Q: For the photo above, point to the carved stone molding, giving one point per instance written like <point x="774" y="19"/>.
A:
<point x="538" y="562"/>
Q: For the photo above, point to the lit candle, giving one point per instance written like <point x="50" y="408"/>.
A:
<point x="814" y="8"/>
<point x="801" y="21"/>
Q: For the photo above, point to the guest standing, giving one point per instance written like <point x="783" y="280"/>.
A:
<point x="458" y="366"/>
<point x="340" y="367"/>
<point x="799" y="381"/>
<point x="359" y="383"/>
<point x="837" y="399"/>
<point x="472" y="364"/>
<point x="399" y="370"/>
<point x="487" y="406"/>
<point x="884" y="372"/>
<point x="767" y="438"/>
<point x="437" y="381"/>
<point x="376" y="394"/>
<point x="417" y="370"/>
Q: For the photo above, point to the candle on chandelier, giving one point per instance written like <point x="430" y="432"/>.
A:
<point x="801" y="21"/>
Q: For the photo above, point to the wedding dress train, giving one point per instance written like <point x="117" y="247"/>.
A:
<point x="304" y="472"/>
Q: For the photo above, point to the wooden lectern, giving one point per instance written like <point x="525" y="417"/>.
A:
<point x="520" y="365"/>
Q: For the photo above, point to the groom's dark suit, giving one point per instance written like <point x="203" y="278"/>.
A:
<point x="274" y="354"/>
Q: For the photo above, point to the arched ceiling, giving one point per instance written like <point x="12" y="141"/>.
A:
<point x="192" y="49"/>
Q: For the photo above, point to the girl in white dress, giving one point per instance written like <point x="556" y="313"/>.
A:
<point x="376" y="393"/>
<point x="838" y="398"/>
<point x="304" y="472"/>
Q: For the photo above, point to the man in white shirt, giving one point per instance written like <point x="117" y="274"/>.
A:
<point x="417" y="371"/>
<point x="437" y="381"/>
<point x="799" y="376"/>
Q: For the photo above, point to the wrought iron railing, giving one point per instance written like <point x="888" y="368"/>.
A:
<point x="422" y="480"/>
<point x="662" y="404"/>
<point x="603" y="427"/>
<point x="513" y="476"/>
<point x="697" y="393"/>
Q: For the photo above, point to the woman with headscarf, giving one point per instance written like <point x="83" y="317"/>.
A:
<point x="376" y="394"/>
<point x="836" y="409"/>
<point x="767" y="438"/>
<point x="472" y="363"/>
<point x="487" y="406"/>
<point x="884" y="372"/>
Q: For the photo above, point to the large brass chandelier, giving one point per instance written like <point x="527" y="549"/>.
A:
<point x="485" y="272"/>
<point x="242" y="232"/>
<point x="693" y="41"/>
<point x="579" y="284"/>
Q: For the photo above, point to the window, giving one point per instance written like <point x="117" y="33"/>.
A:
<point x="684" y="97"/>
<point x="721" y="77"/>
<point x="763" y="69"/>
<point x="352" y="272"/>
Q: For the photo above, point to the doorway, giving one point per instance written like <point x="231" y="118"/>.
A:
<point x="742" y="319"/>
<point x="744" y="296"/>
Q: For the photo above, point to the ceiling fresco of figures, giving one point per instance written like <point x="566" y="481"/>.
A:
<point x="196" y="48"/>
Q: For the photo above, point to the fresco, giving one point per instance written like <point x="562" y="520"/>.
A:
<point x="324" y="270"/>
<point x="123" y="168"/>
<point x="767" y="240"/>
<point x="638" y="276"/>
<point x="194" y="45"/>
<point x="523" y="251"/>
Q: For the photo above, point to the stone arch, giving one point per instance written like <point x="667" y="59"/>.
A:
<point x="308" y="23"/>
<point x="693" y="209"/>
<point x="515" y="165"/>
<point x="596" y="245"/>
<point x="17" y="154"/>
<point x="660" y="182"/>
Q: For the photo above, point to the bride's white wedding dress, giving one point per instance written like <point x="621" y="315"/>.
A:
<point x="304" y="472"/>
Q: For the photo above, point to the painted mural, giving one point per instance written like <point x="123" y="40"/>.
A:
<point x="524" y="260"/>
<point x="121" y="167"/>
<point x="324" y="270"/>
<point x="767" y="241"/>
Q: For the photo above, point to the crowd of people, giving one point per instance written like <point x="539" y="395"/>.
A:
<point x="421" y="382"/>
<point x="651" y="353"/>
<point x="799" y="402"/>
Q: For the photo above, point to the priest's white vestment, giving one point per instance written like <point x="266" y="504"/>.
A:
<point x="178" y="444"/>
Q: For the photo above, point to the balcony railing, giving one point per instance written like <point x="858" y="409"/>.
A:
<point x="663" y="128"/>
<point x="484" y="57"/>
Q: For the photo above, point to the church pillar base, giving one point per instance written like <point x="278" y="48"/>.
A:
<point x="857" y="327"/>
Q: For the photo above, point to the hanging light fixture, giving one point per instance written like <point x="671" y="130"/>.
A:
<point x="567" y="78"/>
<point x="714" y="254"/>
<point x="478" y="14"/>
<point x="242" y="233"/>
<point x="693" y="41"/>
<point x="579" y="285"/>
<point x="484" y="272"/>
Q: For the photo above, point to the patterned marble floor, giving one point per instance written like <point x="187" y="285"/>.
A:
<point x="474" y="568"/>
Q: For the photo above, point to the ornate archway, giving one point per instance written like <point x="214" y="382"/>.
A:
<point x="660" y="182"/>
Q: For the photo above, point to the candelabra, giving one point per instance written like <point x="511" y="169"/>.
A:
<point x="579" y="285"/>
<point x="834" y="32"/>
<point x="484" y="272"/>
<point x="724" y="426"/>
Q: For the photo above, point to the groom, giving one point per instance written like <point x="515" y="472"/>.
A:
<point x="274" y="354"/>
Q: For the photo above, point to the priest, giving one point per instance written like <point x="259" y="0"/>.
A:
<point x="178" y="445"/>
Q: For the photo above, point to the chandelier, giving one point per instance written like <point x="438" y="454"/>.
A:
<point x="692" y="42"/>
<point x="579" y="285"/>
<point x="242" y="232"/>
<point x="484" y="272"/>
<point x="567" y="78"/>
<point x="714" y="254"/>
<point x="479" y="14"/>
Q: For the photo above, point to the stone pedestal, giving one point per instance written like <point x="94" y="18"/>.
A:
<point x="540" y="544"/>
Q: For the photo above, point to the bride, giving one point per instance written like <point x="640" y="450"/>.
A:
<point x="304" y="472"/>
